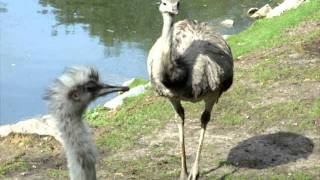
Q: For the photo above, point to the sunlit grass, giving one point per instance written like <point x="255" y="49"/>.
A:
<point x="266" y="33"/>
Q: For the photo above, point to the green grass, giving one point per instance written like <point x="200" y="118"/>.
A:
<point x="296" y="115"/>
<point x="138" y="116"/>
<point x="58" y="173"/>
<point x="269" y="70"/>
<point x="267" y="33"/>
<point x="13" y="166"/>
<point x="137" y="82"/>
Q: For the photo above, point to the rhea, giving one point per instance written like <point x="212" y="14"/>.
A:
<point x="68" y="97"/>
<point x="190" y="62"/>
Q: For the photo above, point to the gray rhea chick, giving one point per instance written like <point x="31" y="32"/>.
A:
<point x="68" y="97"/>
<point x="190" y="62"/>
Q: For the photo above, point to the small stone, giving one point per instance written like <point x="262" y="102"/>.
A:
<point x="34" y="166"/>
<point x="262" y="12"/>
<point x="110" y="30"/>
<point x="295" y="124"/>
<point x="118" y="174"/>
<point x="252" y="11"/>
<point x="228" y="23"/>
<point x="23" y="173"/>
<point x="317" y="122"/>
<point x="295" y="55"/>
<point x="225" y="36"/>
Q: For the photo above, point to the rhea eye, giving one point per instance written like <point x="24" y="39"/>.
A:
<point x="91" y="87"/>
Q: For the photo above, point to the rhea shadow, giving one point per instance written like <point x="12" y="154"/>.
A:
<point x="270" y="150"/>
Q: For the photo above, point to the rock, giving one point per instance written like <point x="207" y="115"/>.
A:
<point x="252" y="11"/>
<point x="225" y="36"/>
<point x="45" y="125"/>
<point x="285" y="6"/>
<point x="227" y="23"/>
<point x="127" y="83"/>
<point x="117" y="101"/>
<point x="262" y="12"/>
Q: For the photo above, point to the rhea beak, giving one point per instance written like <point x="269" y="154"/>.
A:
<point x="107" y="89"/>
<point x="174" y="11"/>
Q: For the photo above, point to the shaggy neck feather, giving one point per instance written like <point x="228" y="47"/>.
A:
<point x="80" y="150"/>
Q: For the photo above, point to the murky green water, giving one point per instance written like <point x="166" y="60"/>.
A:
<point x="38" y="39"/>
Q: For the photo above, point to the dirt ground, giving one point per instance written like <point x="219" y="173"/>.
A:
<point x="283" y="149"/>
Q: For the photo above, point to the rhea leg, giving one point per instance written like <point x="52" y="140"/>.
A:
<point x="180" y="112"/>
<point x="205" y="118"/>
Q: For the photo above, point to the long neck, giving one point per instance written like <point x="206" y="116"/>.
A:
<point x="166" y="38"/>
<point x="167" y="27"/>
<point x="80" y="150"/>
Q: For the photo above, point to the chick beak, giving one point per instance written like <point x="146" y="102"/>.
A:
<point x="107" y="89"/>
<point x="174" y="12"/>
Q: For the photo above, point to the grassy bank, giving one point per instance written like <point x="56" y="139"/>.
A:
<point x="275" y="93"/>
<point x="268" y="33"/>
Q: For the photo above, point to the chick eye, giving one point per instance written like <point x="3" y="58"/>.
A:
<point x="91" y="87"/>
<point x="164" y="3"/>
<point x="178" y="5"/>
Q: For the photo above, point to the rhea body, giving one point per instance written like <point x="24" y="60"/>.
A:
<point x="190" y="62"/>
<point x="68" y="98"/>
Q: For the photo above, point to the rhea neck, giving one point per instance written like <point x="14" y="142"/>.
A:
<point x="68" y="112"/>
<point x="167" y="28"/>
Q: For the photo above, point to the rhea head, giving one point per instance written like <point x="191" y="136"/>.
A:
<point x="76" y="88"/>
<point x="169" y="6"/>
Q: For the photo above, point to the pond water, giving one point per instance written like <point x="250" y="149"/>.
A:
<point x="39" y="38"/>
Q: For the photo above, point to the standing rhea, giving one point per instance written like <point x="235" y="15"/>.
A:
<point x="68" y="98"/>
<point x="189" y="62"/>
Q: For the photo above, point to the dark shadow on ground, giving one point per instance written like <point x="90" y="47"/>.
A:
<point x="269" y="150"/>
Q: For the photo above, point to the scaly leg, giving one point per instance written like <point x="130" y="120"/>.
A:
<point x="205" y="118"/>
<point x="180" y="112"/>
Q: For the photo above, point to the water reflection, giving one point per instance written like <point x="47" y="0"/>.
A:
<point x="140" y="21"/>
<point x="40" y="38"/>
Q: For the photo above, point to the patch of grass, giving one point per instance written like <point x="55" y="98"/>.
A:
<point x="315" y="109"/>
<point x="97" y="116"/>
<point x="295" y="115"/>
<point x="267" y="32"/>
<point x="57" y="173"/>
<point x="137" y="82"/>
<point x="138" y="116"/>
<point x="14" y="166"/>
<point x="230" y="119"/>
<point x="273" y="69"/>
<point x="146" y="167"/>
<point x="234" y="106"/>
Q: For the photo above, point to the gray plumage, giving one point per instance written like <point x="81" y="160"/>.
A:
<point x="191" y="62"/>
<point x="68" y="98"/>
